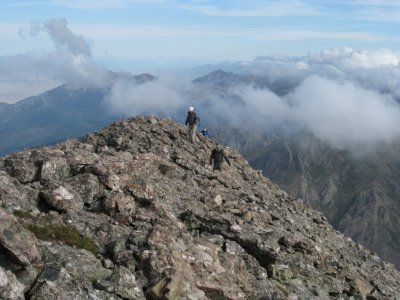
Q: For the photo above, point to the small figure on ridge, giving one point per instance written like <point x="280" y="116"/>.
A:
<point x="218" y="156"/>
<point x="204" y="132"/>
<point x="192" y="120"/>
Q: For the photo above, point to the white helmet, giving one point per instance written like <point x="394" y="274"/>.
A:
<point x="191" y="108"/>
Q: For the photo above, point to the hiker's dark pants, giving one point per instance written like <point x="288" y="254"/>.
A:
<point x="217" y="166"/>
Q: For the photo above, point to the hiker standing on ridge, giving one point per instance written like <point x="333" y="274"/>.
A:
<point x="218" y="156"/>
<point x="192" y="120"/>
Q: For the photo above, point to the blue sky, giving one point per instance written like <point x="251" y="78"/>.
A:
<point x="175" y="31"/>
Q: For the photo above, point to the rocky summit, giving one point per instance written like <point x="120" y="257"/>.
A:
<point x="135" y="212"/>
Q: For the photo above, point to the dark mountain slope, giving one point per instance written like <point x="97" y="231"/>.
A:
<point x="61" y="113"/>
<point x="133" y="212"/>
<point x="222" y="80"/>
<point x="58" y="114"/>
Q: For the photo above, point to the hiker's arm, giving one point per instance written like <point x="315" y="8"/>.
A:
<point x="227" y="159"/>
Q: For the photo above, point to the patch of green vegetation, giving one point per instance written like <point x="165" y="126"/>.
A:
<point x="67" y="234"/>
<point x="23" y="214"/>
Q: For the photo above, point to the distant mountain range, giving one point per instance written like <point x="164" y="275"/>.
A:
<point x="56" y="115"/>
<point x="223" y="80"/>
<point x="358" y="195"/>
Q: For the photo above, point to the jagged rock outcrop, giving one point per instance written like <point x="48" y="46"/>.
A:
<point x="134" y="212"/>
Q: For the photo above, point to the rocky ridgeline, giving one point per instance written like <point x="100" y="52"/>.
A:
<point x="134" y="212"/>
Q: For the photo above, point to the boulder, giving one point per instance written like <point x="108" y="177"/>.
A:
<point x="15" y="195"/>
<point x="62" y="197"/>
<point x="24" y="171"/>
<point x="87" y="186"/>
<point x="10" y="288"/>
<point x="78" y="263"/>
<point x="54" y="168"/>
<point x="125" y="284"/>
<point x="20" y="244"/>
<point x="119" y="202"/>
<point x="54" y="282"/>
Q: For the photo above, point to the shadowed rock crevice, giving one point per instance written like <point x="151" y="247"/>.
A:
<point x="251" y="243"/>
<point x="162" y="225"/>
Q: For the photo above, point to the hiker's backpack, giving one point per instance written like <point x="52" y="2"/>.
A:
<point x="192" y="118"/>
<point x="218" y="155"/>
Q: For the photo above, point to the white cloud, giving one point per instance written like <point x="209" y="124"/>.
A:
<point x="347" y="58"/>
<point x="262" y="104"/>
<point x="372" y="69"/>
<point x="128" y="98"/>
<point x="63" y="37"/>
<point x="346" y="115"/>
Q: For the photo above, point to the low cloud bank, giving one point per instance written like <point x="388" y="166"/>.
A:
<point x="152" y="97"/>
<point x="345" y="97"/>
<point x="376" y="69"/>
<point x="344" y="114"/>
